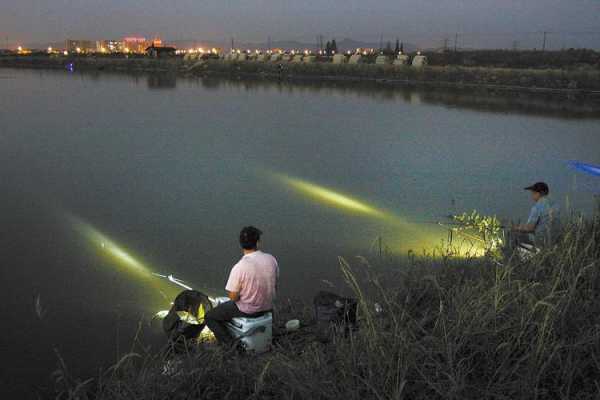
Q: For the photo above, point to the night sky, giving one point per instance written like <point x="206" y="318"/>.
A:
<point x="483" y="22"/>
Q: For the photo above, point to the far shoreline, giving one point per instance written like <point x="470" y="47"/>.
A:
<point x="567" y="85"/>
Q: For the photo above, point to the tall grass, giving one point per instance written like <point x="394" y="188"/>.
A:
<point x="451" y="328"/>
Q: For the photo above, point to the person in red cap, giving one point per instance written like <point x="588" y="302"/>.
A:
<point x="544" y="216"/>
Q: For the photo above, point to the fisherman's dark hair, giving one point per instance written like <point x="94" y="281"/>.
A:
<point x="249" y="236"/>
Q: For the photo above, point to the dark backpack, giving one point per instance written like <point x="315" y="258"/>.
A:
<point x="192" y="302"/>
<point x="333" y="312"/>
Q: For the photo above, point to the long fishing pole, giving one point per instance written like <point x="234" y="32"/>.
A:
<point x="174" y="280"/>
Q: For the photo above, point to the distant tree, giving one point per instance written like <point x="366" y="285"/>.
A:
<point x="334" y="48"/>
<point x="328" y="48"/>
<point x="388" y="48"/>
<point x="397" y="48"/>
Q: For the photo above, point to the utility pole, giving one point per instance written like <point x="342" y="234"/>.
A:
<point x="544" y="43"/>
<point x="446" y="40"/>
<point x="269" y="43"/>
<point x="456" y="42"/>
<point x="381" y="42"/>
<point x="232" y="46"/>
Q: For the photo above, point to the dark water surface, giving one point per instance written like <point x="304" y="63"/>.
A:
<point x="170" y="170"/>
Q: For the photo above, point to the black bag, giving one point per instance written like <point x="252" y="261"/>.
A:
<point x="333" y="312"/>
<point x="194" y="303"/>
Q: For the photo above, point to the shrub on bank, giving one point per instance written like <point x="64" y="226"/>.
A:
<point x="451" y="328"/>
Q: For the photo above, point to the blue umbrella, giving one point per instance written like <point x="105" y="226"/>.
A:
<point x="587" y="168"/>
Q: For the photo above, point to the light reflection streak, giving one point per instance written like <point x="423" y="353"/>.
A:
<point x="405" y="235"/>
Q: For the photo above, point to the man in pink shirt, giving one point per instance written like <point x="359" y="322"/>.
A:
<point x="251" y="286"/>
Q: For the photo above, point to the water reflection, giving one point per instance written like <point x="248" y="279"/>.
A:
<point x="162" y="81"/>
<point x="495" y="101"/>
<point x="482" y="100"/>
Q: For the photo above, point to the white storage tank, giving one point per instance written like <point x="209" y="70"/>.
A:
<point x="382" y="60"/>
<point x="261" y="57"/>
<point x="242" y="57"/>
<point x="402" y="59"/>
<point x="419" y="61"/>
<point x="275" y="57"/>
<point x="339" y="59"/>
<point x="355" y="59"/>
<point x="309" y="59"/>
<point x="297" y="58"/>
<point x="286" y="58"/>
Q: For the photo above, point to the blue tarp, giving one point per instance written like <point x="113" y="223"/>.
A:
<point x="587" y="168"/>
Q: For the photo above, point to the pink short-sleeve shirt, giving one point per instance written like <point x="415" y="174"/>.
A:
<point x="254" y="277"/>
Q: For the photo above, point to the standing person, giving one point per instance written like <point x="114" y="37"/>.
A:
<point x="251" y="286"/>
<point x="540" y="228"/>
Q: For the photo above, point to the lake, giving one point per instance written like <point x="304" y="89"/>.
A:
<point x="106" y="178"/>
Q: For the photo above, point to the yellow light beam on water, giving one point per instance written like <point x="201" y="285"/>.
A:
<point x="127" y="262"/>
<point x="109" y="248"/>
<point x="331" y="197"/>
<point x="410" y="235"/>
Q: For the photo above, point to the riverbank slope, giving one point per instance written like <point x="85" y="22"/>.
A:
<point x="581" y="83"/>
<point x="450" y="329"/>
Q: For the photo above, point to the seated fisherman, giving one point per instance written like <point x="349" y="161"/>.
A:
<point x="251" y="286"/>
<point x="540" y="228"/>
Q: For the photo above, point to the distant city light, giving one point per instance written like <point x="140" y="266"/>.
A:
<point x="66" y="53"/>
<point x="50" y="49"/>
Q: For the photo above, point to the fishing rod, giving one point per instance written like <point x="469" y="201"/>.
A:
<point x="174" y="280"/>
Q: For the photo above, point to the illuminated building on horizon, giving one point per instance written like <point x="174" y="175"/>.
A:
<point x="157" y="42"/>
<point x="136" y="45"/>
<point x="80" y="46"/>
<point x="109" y="46"/>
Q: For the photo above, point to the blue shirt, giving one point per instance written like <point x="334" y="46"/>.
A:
<point x="544" y="216"/>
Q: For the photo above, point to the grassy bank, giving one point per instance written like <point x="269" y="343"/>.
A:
<point x="450" y="329"/>
<point x="540" y="80"/>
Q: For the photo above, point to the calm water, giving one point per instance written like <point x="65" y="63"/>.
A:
<point x="171" y="170"/>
